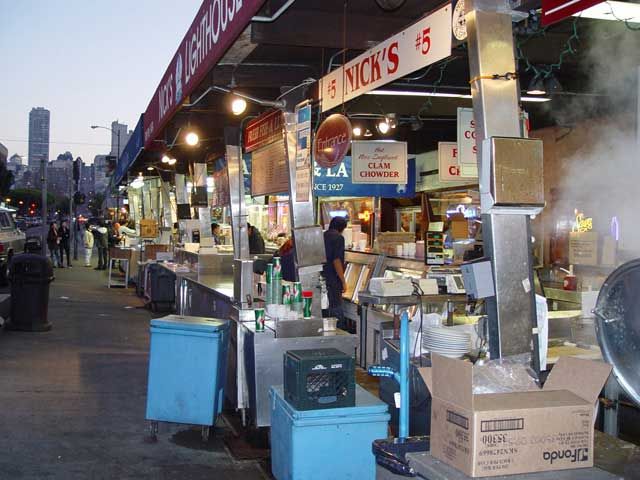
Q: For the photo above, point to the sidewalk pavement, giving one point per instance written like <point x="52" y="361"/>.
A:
<point x="72" y="400"/>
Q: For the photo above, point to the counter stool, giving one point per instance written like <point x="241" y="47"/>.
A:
<point x="124" y="263"/>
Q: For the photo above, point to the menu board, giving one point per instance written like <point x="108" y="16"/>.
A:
<point x="583" y="248"/>
<point x="269" y="170"/>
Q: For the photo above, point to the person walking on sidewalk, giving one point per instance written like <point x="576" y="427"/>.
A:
<point x="65" y="243"/>
<point x="88" y="245"/>
<point x="53" y="243"/>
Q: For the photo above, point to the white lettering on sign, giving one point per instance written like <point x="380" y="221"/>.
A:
<point x="448" y="168"/>
<point x="467" y="137"/>
<point x="423" y="43"/>
<point x="379" y="162"/>
<point x="204" y="36"/>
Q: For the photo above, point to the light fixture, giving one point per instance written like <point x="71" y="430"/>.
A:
<point x="368" y="133"/>
<point x="553" y="85"/>
<point x="536" y="87"/>
<point x="409" y="93"/>
<point x="166" y="159"/>
<point x="357" y="131"/>
<point x="150" y="168"/>
<point x="383" y="126"/>
<point x="391" y="120"/>
<point x="210" y="184"/>
<point x="192" y="139"/>
<point x="238" y="105"/>
<point x="138" y="182"/>
<point x="611" y="10"/>
<point x="172" y="161"/>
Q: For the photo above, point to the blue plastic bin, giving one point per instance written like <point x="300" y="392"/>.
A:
<point x="333" y="443"/>
<point x="187" y="366"/>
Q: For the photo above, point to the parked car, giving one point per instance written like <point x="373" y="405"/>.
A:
<point x="11" y="241"/>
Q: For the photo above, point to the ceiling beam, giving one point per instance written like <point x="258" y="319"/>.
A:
<point x="306" y="28"/>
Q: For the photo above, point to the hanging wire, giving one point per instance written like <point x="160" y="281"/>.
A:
<point x="569" y="49"/>
<point x="344" y="53"/>
<point x="428" y="103"/>
<point x="625" y="21"/>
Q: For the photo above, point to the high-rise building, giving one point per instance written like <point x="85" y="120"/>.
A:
<point x="60" y="175"/>
<point x="100" y="173"/>
<point x="39" y="121"/>
<point x="14" y="161"/>
<point x="123" y="131"/>
<point x="4" y="153"/>
<point x="87" y="179"/>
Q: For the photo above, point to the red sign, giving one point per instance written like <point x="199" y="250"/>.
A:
<point x="332" y="141"/>
<point x="262" y="131"/>
<point x="215" y="28"/>
<point x="555" y="10"/>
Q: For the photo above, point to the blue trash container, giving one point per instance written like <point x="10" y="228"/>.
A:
<point x="330" y="443"/>
<point x="187" y="367"/>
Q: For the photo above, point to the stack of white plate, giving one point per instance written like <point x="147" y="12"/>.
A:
<point x="446" y="341"/>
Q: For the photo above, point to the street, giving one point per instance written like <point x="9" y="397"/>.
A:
<point x="73" y="399"/>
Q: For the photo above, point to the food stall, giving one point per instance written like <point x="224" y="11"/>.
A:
<point x="280" y="196"/>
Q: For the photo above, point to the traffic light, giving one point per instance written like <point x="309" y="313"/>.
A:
<point x="79" y="198"/>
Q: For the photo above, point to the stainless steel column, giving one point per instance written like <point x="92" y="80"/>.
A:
<point x="308" y="237"/>
<point x="242" y="265"/>
<point x="506" y="237"/>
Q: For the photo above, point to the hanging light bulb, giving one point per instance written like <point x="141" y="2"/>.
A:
<point x="165" y="159"/>
<point x="536" y="87"/>
<point x="172" y="161"/>
<point x="238" y="105"/>
<point x="553" y="85"/>
<point x="357" y="131"/>
<point x="192" y="139"/>
<point x="383" y="127"/>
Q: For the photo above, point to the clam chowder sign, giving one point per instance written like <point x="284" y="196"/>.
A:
<point x="379" y="161"/>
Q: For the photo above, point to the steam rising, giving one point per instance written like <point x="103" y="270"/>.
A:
<point x="601" y="165"/>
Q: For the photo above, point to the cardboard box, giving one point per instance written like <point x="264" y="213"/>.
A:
<point x="148" y="228"/>
<point x="583" y="248"/>
<point x="513" y="433"/>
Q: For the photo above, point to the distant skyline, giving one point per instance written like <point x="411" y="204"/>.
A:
<point x="88" y="63"/>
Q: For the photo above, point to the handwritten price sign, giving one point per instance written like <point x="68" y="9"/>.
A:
<point x="423" y="43"/>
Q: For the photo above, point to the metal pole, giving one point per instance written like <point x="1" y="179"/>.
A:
<point x="403" y="424"/>
<point x="116" y="186"/>
<point x="73" y="224"/>
<point x="43" y="188"/>
<point x="506" y="237"/>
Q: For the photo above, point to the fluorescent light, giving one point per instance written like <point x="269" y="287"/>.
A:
<point x="617" y="11"/>
<point x="408" y="93"/>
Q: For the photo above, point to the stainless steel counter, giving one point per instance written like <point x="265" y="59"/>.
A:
<point x="264" y="353"/>
<point x="202" y="294"/>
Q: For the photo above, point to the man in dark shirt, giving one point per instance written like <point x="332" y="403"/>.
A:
<point x="333" y="270"/>
<point x="256" y="242"/>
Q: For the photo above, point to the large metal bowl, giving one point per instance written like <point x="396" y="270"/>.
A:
<point x="618" y="325"/>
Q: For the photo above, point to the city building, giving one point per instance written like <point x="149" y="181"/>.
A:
<point x="121" y="129"/>
<point x="101" y="181"/>
<point x="87" y="179"/>
<point x="60" y="175"/>
<point x="4" y="153"/>
<point x="14" y="162"/>
<point x="39" y="122"/>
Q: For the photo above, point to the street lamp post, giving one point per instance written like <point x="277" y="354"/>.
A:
<point x="117" y="132"/>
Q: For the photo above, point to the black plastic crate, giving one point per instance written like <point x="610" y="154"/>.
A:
<point x="319" y="378"/>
